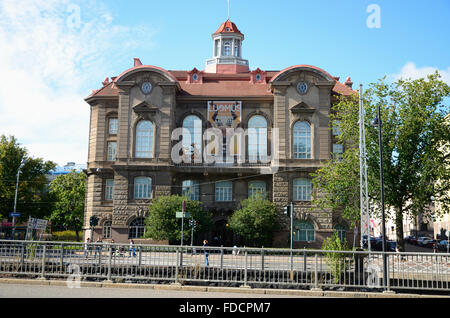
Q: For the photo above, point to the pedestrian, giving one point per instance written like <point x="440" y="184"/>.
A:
<point x="132" y="248"/>
<point x="205" y="244"/>
<point x="435" y="247"/>
<point x="86" y="248"/>
<point x="98" y="247"/>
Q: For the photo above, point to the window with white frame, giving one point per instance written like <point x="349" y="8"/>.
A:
<point x="113" y="126"/>
<point x="227" y="47"/>
<point x="224" y="191"/>
<point x="237" y="45"/>
<point x="191" y="189"/>
<point x="142" y="188"/>
<point x="136" y="228"/>
<point x="257" y="138"/>
<point x="304" y="231"/>
<point x="109" y="189"/>
<point x="107" y="229"/>
<point x="112" y="150"/>
<point x="302" y="189"/>
<point x="302" y="140"/>
<point x="144" y="139"/>
<point x="192" y="135"/>
<point x="255" y="187"/>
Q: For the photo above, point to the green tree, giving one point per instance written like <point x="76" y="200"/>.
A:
<point x="415" y="168"/>
<point x="255" y="221"/>
<point x="68" y="193"/>
<point x="162" y="224"/>
<point x="32" y="197"/>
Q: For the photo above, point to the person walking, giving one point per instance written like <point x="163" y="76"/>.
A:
<point x="86" y="248"/>
<point x="132" y="248"/>
<point x="98" y="247"/>
<point x="205" y="244"/>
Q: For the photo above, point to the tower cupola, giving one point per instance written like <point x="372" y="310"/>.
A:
<point x="227" y="51"/>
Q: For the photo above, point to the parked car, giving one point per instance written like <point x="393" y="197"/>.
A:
<point x="430" y="243"/>
<point x="442" y="245"/>
<point x="410" y="239"/>
<point x="421" y="241"/>
<point x="390" y="246"/>
<point x="373" y="240"/>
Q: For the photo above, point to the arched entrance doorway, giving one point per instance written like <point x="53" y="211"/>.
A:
<point x="221" y="235"/>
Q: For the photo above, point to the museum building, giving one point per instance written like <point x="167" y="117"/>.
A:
<point x="135" y="153"/>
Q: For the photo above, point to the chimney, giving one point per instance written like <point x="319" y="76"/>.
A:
<point x="106" y="81"/>
<point x="137" y="62"/>
<point x="348" y="82"/>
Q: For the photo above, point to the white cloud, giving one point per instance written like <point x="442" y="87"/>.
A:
<point x="53" y="53"/>
<point x="411" y="71"/>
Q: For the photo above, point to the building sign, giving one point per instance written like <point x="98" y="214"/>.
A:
<point x="36" y="224"/>
<point x="223" y="115"/>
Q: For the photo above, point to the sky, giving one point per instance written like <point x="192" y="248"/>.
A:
<point x="53" y="53"/>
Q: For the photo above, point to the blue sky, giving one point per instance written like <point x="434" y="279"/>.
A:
<point x="54" y="52"/>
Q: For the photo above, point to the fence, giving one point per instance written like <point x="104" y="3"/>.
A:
<point x="256" y="267"/>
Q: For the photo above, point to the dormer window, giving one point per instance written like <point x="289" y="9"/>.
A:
<point x="195" y="77"/>
<point x="258" y="77"/>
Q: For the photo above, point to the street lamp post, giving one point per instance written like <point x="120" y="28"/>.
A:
<point x="383" y="223"/>
<point x="15" y="198"/>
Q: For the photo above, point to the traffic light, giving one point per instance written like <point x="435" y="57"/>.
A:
<point x="287" y="210"/>
<point x="93" y="221"/>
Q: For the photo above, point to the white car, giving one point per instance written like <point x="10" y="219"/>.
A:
<point x="422" y="241"/>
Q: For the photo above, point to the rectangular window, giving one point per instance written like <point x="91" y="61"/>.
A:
<point x="338" y="150"/>
<point x="224" y="191"/>
<point x="112" y="149"/>
<point x="109" y="189"/>
<point x="302" y="190"/>
<point x="113" y="126"/>
<point x="336" y="128"/>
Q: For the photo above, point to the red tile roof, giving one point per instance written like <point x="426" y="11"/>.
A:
<point x="226" y="85"/>
<point x="228" y="27"/>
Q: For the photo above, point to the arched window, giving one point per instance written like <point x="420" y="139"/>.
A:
<point x="302" y="140"/>
<point x="191" y="189"/>
<point x="304" y="231"/>
<point x="144" y="139"/>
<point x="142" y="188"/>
<point x="257" y="138"/>
<point x="302" y="189"/>
<point x="227" y="47"/>
<point x="136" y="228"/>
<point x="255" y="187"/>
<point x="192" y="138"/>
<point x="340" y="229"/>
<point x="107" y="229"/>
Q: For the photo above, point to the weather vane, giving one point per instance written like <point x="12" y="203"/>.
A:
<point x="228" y="2"/>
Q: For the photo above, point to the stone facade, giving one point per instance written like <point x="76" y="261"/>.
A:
<point x="175" y="95"/>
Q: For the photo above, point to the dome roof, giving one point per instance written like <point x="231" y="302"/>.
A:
<point x="228" y="27"/>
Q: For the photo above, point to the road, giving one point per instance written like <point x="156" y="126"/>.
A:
<point x="38" y="291"/>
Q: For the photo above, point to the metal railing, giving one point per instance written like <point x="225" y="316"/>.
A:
<point x="256" y="267"/>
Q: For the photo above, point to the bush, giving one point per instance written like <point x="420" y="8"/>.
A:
<point x="65" y="236"/>
<point x="337" y="263"/>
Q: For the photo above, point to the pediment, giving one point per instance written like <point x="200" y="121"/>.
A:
<point x="302" y="107"/>
<point x="145" y="107"/>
